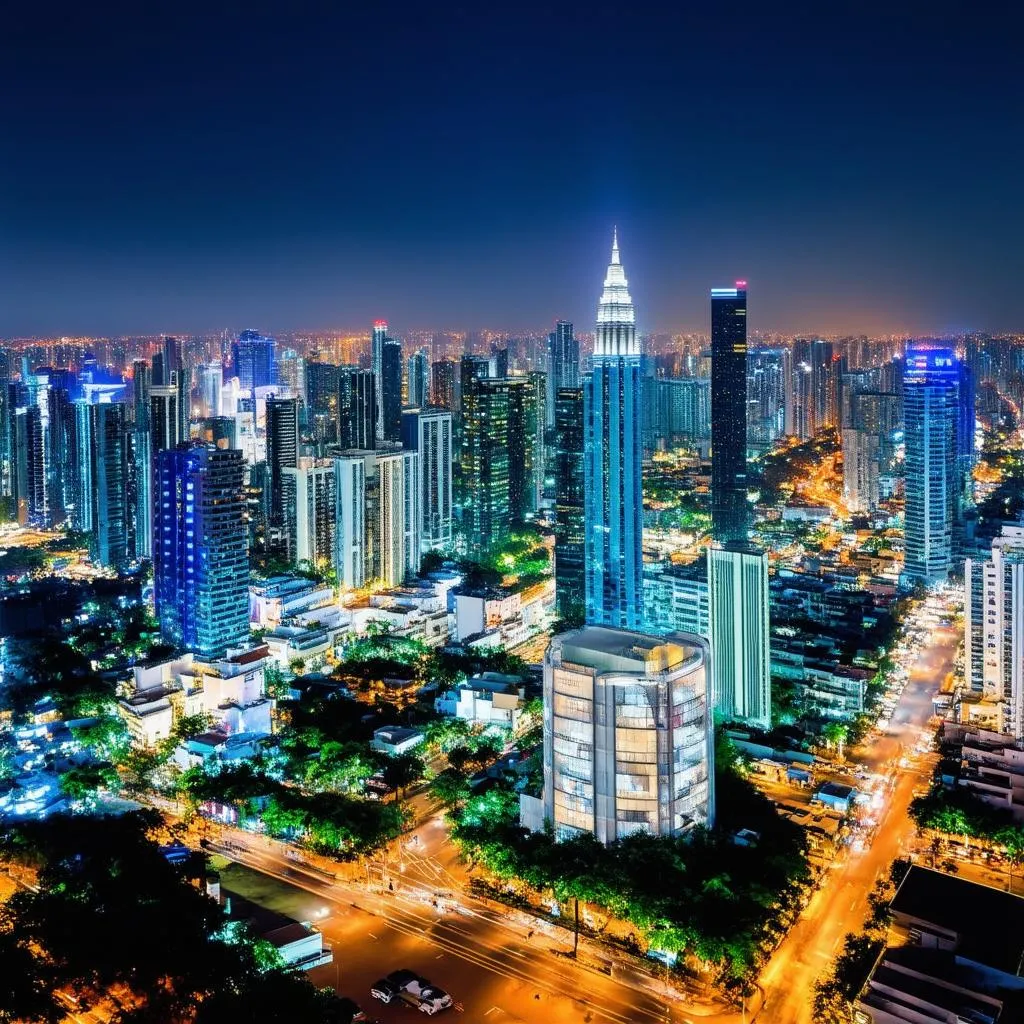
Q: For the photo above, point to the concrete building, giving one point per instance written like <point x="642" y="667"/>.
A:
<point x="429" y="433"/>
<point x="676" y="599"/>
<point x="738" y="627"/>
<point x="486" y="699"/>
<point x="994" y="629"/>
<point x="308" y="491"/>
<point x="627" y="734"/>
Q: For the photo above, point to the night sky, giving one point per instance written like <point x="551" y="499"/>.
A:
<point x="459" y="166"/>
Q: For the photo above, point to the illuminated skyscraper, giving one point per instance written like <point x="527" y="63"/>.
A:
<point x="357" y="408"/>
<point x="417" y="374"/>
<point x="308" y="491"/>
<point x="563" y="365"/>
<point x="429" y="432"/>
<point x="442" y="384"/>
<point x="933" y="463"/>
<point x="484" y="459"/>
<point x="738" y="625"/>
<point x="282" y="449"/>
<point x="200" y="548"/>
<point x="390" y="393"/>
<point x="254" y="361"/>
<point x="612" y="456"/>
<point x="569" y="532"/>
<point x="729" y="509"/>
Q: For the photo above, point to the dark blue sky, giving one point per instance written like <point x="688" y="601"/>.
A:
<point x="453" y="166"/>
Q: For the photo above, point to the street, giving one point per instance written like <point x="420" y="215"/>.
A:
<point x="840" y="905"/>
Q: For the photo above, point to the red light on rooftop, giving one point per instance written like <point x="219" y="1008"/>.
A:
<point x="380" y="323"/>
<point x="741" y="284"/>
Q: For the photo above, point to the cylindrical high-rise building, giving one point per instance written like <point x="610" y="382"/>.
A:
<point x="628" y="734"/>
<point x="612" y="456"/>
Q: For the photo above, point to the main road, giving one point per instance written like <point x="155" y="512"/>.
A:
<point x="840" y="905"/>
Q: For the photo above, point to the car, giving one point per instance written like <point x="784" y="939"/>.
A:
<point x="408" y="980"/>
<point x="384" y="990"/>
<point x="349" y="1010"/>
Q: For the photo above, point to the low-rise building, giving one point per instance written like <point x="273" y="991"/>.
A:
<point x="279" y="598"/>
<point x="991" y="766"/>
<point x="956" y="954"/>
<point x="396" y="739"/>
<point x="486" y="699"/>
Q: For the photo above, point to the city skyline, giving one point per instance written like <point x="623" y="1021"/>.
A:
<point x="143" y="192"/>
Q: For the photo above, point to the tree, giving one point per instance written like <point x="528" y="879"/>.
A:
<point x="83" y="782"/>
<point x="450" y="787"/>
<point x="835" y="734"/>
<point x="402" y="770"/>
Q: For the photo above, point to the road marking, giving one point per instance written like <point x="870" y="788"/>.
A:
<point x="372" y="936"/>
<point x="493" y="1009"/>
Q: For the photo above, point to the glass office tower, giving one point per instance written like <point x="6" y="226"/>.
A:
<point x="729" y="515"/>
<point x="613" y="500"/>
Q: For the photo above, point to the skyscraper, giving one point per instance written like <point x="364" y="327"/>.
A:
<point x="994" y="630"/>
<point x="570" y="577"/>
<point x="200" y="548"/>
<point x="417" y="376"/>
<point x="100" y="467"/>
<point x="377" y="517"/>
<point x="442" y="384"/>
<point x="141" y="477"/>
<point x="308" y="491"/>
<point x="612" y="461"/>
<point x="377" y="339"/>
<point x="563" y="365"/>
<point x="282" y="452"/>
<point x="164" y="418"/>
<point x="484" y="461"/>
<point x="390" y="393"/>
<point x="738" y="625"/>
<point x="255" y="365"/>
<point x="356" y="405"/>
<point x="429" y="432"/>
<point x="211" y="380"/>
<point x="729" y="508"/>
<point x="934" y="484"/>
<point x="627" y="734"/>
<point x="322" y="399"/>
<point x="526" y="444"/>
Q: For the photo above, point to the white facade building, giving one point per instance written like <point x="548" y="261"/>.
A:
<point x="628" y="737"/>
<point x="740" y="641"/>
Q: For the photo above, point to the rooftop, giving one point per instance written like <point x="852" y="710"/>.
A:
<point x="989" y="923"/>
<point x="622" y="650"/>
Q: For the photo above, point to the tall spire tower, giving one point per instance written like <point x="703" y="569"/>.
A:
<point x="613" y="502"/>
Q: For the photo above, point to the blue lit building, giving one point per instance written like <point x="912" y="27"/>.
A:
<point x="612" y="454"/>
<point x="201" y="548"/>
<point x="254" y="360"/>
<point x="934" y="463"/>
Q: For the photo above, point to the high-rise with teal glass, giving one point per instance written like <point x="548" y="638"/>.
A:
<point x="613" y="502"/>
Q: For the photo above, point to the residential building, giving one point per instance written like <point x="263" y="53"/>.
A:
<point x="308" y="492"/>
<point x="377" y="518"/>
<point x="628" y="734"/>
<point x="994" y="628"/>
<point x="429" y="433"/>
<point x="488" y="699"/>
<point x="612" y="456"/>
<point x="442" y="384"/>
<point x="738" y="626"/>
<point x="676" y="599"/>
